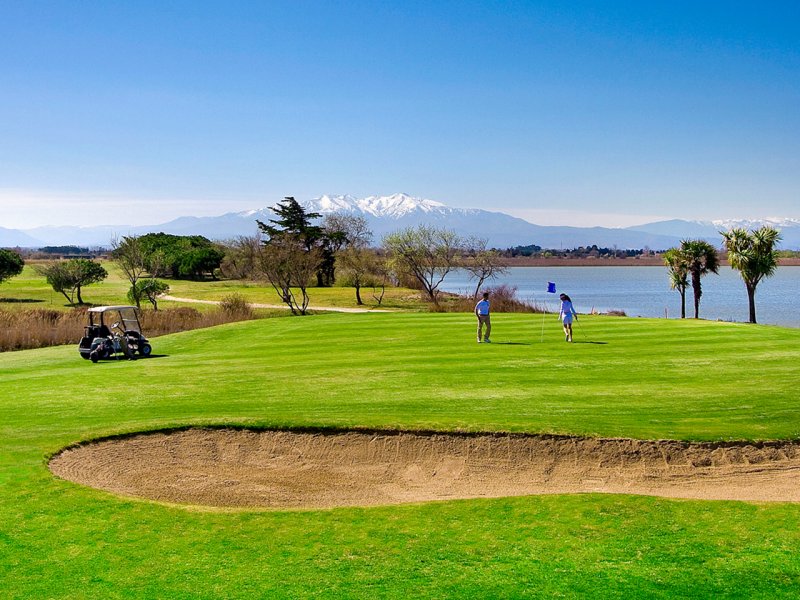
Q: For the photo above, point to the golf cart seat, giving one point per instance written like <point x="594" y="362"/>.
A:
<point x="96" y="331"/>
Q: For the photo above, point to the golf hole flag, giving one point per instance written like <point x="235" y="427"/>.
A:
<point x="551" y="287"/>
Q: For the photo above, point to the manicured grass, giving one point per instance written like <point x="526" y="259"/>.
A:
<point x="30" y="290"/>
<point x="638" y="378"/>
<point x="263" y="293"/>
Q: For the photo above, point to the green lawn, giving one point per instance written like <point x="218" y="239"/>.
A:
<point x="625" y="377"/>
<point x="30" y="290"/>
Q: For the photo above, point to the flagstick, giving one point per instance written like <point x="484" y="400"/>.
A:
<point x="544" y="312"/>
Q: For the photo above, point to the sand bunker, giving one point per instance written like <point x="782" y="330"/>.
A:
<point x="283" y="469"/>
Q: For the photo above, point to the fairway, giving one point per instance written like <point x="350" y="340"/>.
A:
<point x="624" y="378"/>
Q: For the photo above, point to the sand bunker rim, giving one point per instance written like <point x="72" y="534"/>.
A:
<point x="326" y="468"/>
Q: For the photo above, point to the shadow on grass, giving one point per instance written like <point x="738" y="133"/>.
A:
<point x="511" y="343"/>
<point x="20" y="300"/>
<point x="120" y="359"/>
<point x="590" y="342"/>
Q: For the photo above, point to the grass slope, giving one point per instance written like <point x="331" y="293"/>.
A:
<point x="640" y="378"/>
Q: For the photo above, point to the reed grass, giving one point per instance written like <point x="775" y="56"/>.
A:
<point x="42" y="327"/>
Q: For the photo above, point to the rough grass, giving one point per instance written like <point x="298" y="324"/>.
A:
<point x="42" y="327"/>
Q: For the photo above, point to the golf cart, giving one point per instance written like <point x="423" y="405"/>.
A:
<point x="113" y="330"/>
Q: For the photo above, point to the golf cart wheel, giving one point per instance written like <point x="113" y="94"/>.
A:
<point x="145" y="350"/>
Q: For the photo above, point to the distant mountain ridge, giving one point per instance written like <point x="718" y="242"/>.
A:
<point x="710" y="230"/>
<point x="385" y="214"/>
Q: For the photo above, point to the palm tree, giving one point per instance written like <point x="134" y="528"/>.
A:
<point x="701" y="258"/>
<point x="678" y="274"/>
<point x="753" y="254"/>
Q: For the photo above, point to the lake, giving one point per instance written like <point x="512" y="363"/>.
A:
<point x="645" y="292"/>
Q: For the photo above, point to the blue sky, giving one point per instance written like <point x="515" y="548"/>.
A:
<point x="574" y="112"/>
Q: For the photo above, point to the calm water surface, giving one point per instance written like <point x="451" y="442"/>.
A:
<point x="645" y="292"/>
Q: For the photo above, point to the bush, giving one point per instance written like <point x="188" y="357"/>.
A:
<point x="234" y="305"/>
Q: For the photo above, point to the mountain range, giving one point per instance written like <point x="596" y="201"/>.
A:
<point x="385" y="214"/>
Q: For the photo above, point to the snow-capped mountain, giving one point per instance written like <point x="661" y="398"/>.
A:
<point x="395" y="206"/>
<point x="777" y="222"/>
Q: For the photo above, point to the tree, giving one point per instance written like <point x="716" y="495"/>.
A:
<point x="350" y="239"/>
<point x="242" y="256"/>
<point x="86" y="272"/>
<point x="150" y="288"/>
<point x="129" y="254"/>
<point x="69" y="276"/>
<point x="678" y="274"/>
<point x="483" y="264"/>
<point x="58" y="277"/>
<point x="11" y="264"/>
<point x="428" y="253"/>
<point x="753" y="254"/>
<point x="701" y="259"/>
<point x="293" y="220"/>
<point x="287" y="263"/>
<point x="180" y="256"/>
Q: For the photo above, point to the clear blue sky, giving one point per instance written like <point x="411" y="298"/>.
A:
<point x="569" y="112"/>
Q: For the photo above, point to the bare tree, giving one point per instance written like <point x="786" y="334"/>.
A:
<point x="129" y="254"/>
<point x="428" y="253"/>
<point x="352" y="237"/>
<point x="381" y="274"/>
<point x="242" y="257"/>
<point x="287" y="263"/>
<point x="483" y="264"/>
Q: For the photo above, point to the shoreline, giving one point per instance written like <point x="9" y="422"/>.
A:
<point x="650" y="261"/>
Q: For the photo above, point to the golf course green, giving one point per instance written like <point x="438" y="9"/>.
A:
<point x="624" y="377"/>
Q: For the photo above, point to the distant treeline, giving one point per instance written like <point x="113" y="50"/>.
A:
<point x="535" y="251"/>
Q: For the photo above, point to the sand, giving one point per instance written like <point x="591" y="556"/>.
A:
<point x="310" y="470"/>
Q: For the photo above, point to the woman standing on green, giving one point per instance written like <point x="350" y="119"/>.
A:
<point x="566" y="315"/>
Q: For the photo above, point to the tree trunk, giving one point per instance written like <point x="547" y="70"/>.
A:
<point x="683" y="303"/>
<point x="80" y="300"/>
<point x="751" y="298"/>
<point x="697" y="293"/>
<point x="358" y="295"/>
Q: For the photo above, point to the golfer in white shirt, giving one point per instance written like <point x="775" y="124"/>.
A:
<point x="482" y="312"/>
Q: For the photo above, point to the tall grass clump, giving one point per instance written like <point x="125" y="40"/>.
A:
<point x="41" y="327"/>
<point x="235" y="306"/>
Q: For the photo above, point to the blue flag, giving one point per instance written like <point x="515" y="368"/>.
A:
<point x="551" y="287"/>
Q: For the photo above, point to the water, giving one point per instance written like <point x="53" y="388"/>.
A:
<point x="645" y="292"/>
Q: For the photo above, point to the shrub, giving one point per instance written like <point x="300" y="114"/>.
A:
<point x="234" y="305"/>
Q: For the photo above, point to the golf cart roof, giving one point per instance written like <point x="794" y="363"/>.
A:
<point x="102" y="309"/>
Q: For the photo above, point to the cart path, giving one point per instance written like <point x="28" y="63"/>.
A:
<point x="258" y="305"/>
<point x="324" y="469"/>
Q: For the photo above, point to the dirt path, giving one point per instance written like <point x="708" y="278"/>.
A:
<point x="280" y="469"/>
<point x="327" y="308"/>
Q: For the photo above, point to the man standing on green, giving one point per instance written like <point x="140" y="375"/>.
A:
<point x="482" y="312"/>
